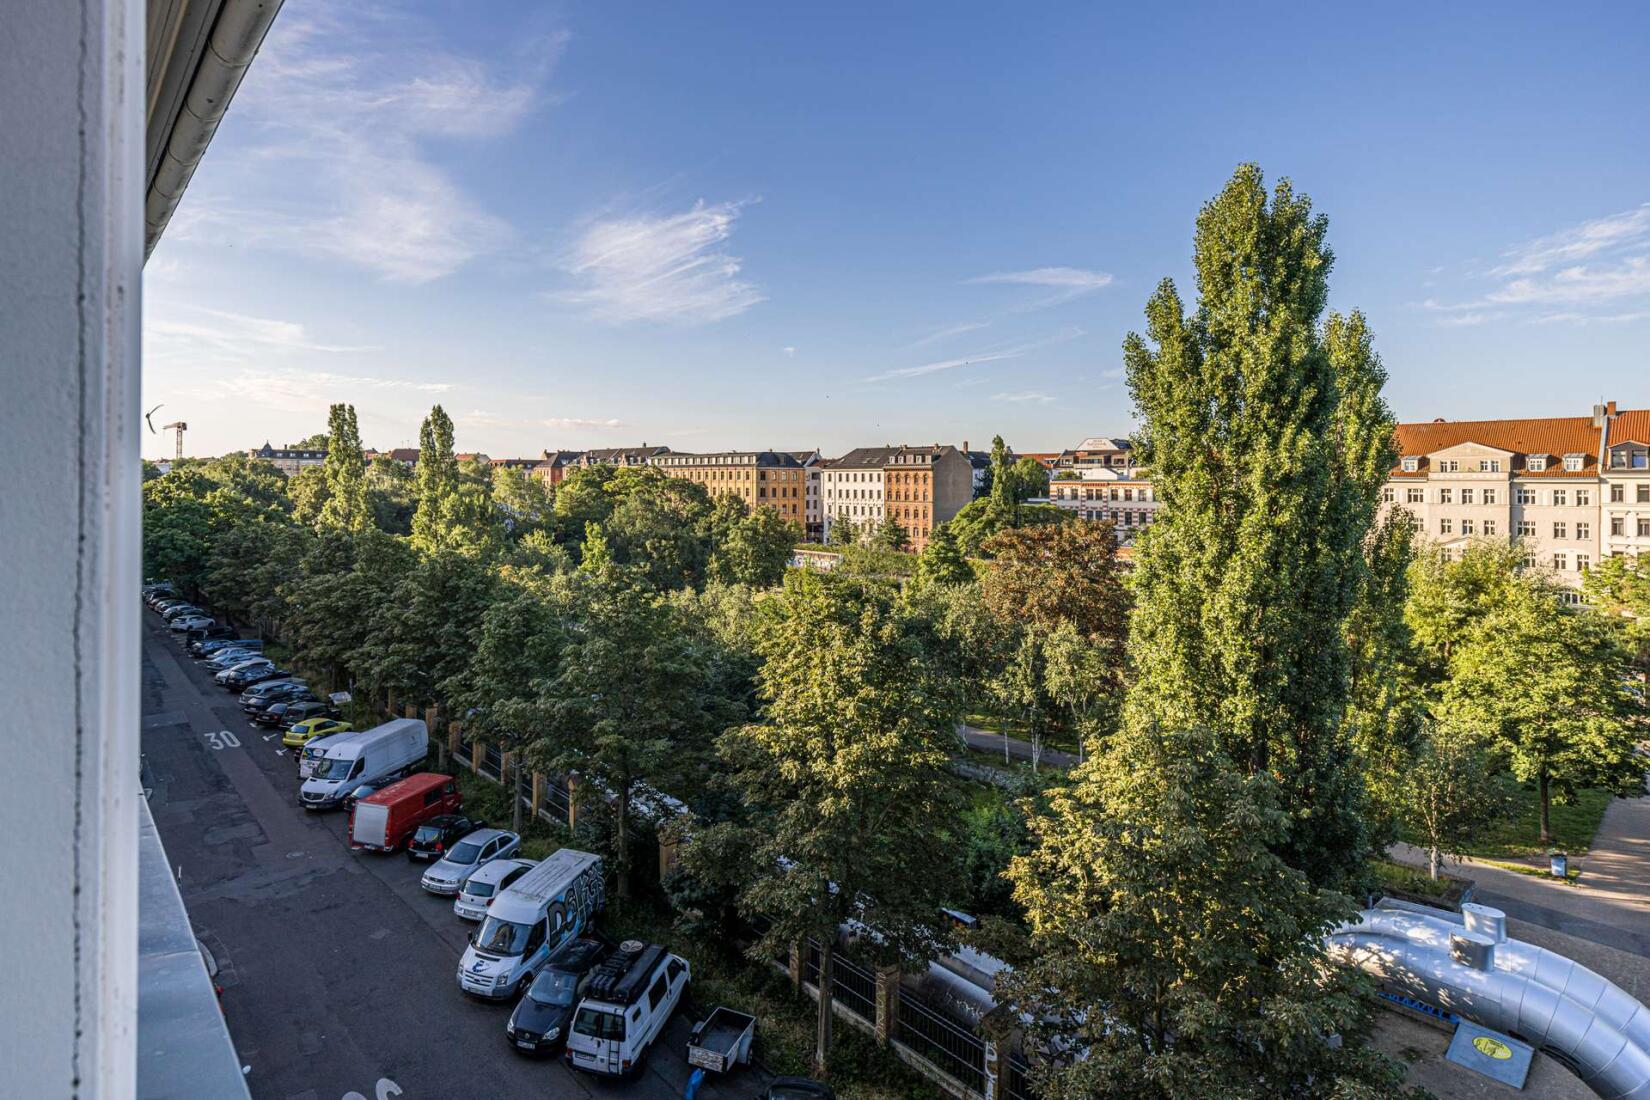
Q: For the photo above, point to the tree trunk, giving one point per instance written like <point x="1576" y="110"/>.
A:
<point x="621" y="845"/>
<point x="515" y="803"/>
<point x="1006" y="760"/>
<point x="822" y="1033"/>
<point x="1546" y="807"/>
<point x="1435" y="862"/>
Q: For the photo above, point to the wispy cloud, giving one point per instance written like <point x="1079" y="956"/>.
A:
<point x="663" y="268"/>
<point x="176" y="330"/>
<point x="1578" y="275"/>
<point x="1065" y="283"/>
<point x="946" y="333"/>
<point x="1024" y="396"/>
<point x="304" y="390"/>
<point x="580" y="423"/>
<point x="339" y="166"/>
<point x="788" y="351"/>
<point x="994" y="355"/>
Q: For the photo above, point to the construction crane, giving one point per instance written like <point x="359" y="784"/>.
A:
<point x="181" y="428"/>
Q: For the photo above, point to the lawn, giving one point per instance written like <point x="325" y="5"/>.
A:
<point x="1396" y="876"/>
<point x="1573" y="826"/>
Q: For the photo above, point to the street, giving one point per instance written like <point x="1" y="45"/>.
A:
<point x="337" y="969"/>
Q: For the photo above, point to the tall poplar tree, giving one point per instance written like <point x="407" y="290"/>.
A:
<point x="436" y="478"/>
<point x="1267" y="441"/>
<point x="346" y="474"/>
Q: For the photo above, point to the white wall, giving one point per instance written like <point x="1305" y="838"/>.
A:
<point x="71" y="183"/>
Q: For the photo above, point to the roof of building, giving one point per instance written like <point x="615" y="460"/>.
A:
<point x="863" y="458"/>
<point x="623" y="455"/>
<point x="266" y="451"/>
<point x="1104" y="443"/>
<point x="735" y="458"/>
<point x="1630" y="426"/>
<point x="560" y="458"/>
<point x="1554" y="437"/>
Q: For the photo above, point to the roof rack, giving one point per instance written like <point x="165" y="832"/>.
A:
<point x="623" y="977"/>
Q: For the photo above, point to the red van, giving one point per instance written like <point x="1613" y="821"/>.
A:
<point x="383" y="821"/>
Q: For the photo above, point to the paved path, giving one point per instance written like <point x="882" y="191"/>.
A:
<point x="1609" y="904"/>
<point x="992" y="741"/>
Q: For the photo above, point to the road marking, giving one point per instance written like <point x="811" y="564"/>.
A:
<point x="381" y="1091"/>
<point x="222" y="739"/>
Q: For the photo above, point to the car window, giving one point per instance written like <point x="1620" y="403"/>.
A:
<point x="674" y="969"/>
<point x="656" y="994"/>
<point x="535" y="937"/>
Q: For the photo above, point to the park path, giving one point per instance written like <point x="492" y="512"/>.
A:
<point x="992" y="741"/>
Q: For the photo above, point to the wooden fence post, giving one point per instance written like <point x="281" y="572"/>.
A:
<point x="538" y="793"/>
<point x="887" y="1003"/>
<point x="572" y="801"/>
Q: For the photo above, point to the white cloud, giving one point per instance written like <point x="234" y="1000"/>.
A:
<point x="790" y="352"/>
<point x="947" y="333"/>
<point x="176" y="331"/>
<point x="338" y="166"/>
<point x="990" y="356"/>
<point x="1567" y="277"/>
<point x="665" y="268"/>
<point x="1024" y="396"/>
<point x="302" y="390"/>
<point x="1066" y="283"/>
<point x="581" y="423"/>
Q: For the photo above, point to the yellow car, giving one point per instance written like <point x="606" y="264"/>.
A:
<point x="311" y="728"/>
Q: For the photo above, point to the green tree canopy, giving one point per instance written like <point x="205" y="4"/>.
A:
<point x="346" y="474"/>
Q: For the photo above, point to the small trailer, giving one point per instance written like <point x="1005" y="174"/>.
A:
<point x="721" y="1040"/>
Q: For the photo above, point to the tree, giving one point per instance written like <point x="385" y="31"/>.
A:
<point x="344" y="585"/>
<point x="843" y="532"/>
<point x="436" y="475"/>
<point x="755" y="549"/>
<point x="309" y="492"/>
<point x="984" y="517"/>
<point x="891" y="535"/>
<point x="422" y="636"/>
<point x="844" y="779"/>
<point x="1619" y="588"/>
<point x="1545" y="685"/>
<point x="632" y="701"/>
<point x="1173" y="947"/>
<point x="1449" y="594"/>
<point x="1084" y="675"/>
<point x="320" y="441"/>
<point x="390" y="495"/>
<point x="346" y="474"/>
<point x="1448" y="792"/>
<point x="1053" y="575"/>
<point x="941" y="561"/>
<point x="1264" y="433"/>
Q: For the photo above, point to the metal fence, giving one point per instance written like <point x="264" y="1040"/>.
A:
<point x="954" y="1049"/>
<point x="853" y="986"/>
<point x="1015" y="1079"/>
<point x="553" y="797"/>
<point x="492" y="762"/>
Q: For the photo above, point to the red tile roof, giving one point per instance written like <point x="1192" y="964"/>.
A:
<point x="1553" y="436"/>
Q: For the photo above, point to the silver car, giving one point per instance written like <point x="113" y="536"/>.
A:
<point x="463" y="859"/>
<point x="488" y="883"/>
<point x="243" y="666"/>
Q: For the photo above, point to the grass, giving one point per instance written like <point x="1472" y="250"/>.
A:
<point x="784" y="1022"/>
<point x="1396" y="876"/>
<point x="1518" y="837"/>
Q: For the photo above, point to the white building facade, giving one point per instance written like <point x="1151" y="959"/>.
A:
<point x="853" y="488"/>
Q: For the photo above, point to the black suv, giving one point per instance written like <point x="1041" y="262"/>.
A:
<point x="287" y="712"/>
<point x="436" y="835"/>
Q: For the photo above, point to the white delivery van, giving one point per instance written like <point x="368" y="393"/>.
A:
<point x="383" y="753"/>
<point x="524" y="926"/>
<point x="627" y="1001"/>
<point x="316" y="749"/>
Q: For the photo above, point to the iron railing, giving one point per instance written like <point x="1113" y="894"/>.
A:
<point x="952" y="1048"/>
<point x="1016" y="1079"/>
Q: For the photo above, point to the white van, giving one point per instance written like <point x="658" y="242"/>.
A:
<point x="377" y="755"/>
<point x="528" y="922"/>
<point x="627" y="1002"/>
<point x="315" y="749"/>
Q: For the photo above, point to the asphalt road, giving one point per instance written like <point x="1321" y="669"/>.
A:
<point x="337" y="969"/>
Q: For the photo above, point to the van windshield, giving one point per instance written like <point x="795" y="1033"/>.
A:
<point x="335" y="768"/>
<point x="502" y="936"/>
<point x="599" y="1024"/>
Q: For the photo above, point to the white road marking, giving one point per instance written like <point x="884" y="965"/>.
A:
<point x="222" y="739"/>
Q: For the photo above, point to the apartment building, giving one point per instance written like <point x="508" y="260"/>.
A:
<point x="762" y="479"/>
<point x="813" y="524"/>
<point x="621" y="456"/>
<point x="851" y="488"/>
<point x="1110" y="452"/>
<point x="924" y="487"/>
<point x="288" y="460"/>
<point x="1122" y="495"/>
<point x="552" y="467"/>
<point x="1567" y="487"/>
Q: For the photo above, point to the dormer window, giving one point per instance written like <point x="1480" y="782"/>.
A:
<point x="1537" y="463"/>
<point x="1412" y="463"/>
<point x="1572" y="463"/>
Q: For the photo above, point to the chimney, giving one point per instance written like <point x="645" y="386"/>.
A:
<point x="965" y="447"/>
<point x="1610" y="409"/>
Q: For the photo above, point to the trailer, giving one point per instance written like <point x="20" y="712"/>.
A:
<point x="721" y="1040"/>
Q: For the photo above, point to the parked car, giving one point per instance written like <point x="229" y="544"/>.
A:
<point x="797" y="1088"/>
<point x="190" y="637"/>
<point x="191" y="622"/>
<point x="540" y="1021"/>
<point x="259" y="696"/>
<point x="283" y="712"/>
<point x="178" y="610"/>
<point x="529" y="922"/>
<point x="380" y="755"/>
<point x="431" y="840"/>
<point x="209" y="647"/>
<point x="239" y="679"/>
<point x="234" y="655"/>
<point x="155" y="591"/>
<point x="390" y="817"/>
<point x="237" y="662"/>
<point x="627" y="1001"/>
<point x="305" y="730"/>
<point x="486" y="884"/>
<point x="466" y="857"/>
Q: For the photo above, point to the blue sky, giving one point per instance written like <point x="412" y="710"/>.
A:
<point x="778" y="225"/>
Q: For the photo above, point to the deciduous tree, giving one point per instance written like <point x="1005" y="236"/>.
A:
<point x="346" y="474"/>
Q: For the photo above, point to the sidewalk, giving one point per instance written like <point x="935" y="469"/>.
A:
<point x="992" y="741"/>
<point x="1609" y="904"/>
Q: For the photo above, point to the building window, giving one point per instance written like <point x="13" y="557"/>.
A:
<point x="1584" y="498"/>
<point x="1414" y="496"/>
<point x="1584" y="531"/>
<point x="1446" y="527"/>
<point x="1489" y="527"/>
<point x="1526" y="529"/>
<point x="1449" y="466"/>
<point x="1411" y="464"/>
<point x="1466" y="496"/>
<point x="1641" y="460"/>
<point x="1560" y="498"/>
<point x="1524" y="496"/>
<point x="1644" y="528"/>
<point x="1618" y="493"/>
<point x="1490" y="465"/>
<point x="1389" y="495"/>
<point x="1572" y="463"/>
<point x="1617" y="526"/>
<point x="1559" y="530"/>
<point x="1582" y="562"/>
<point x="1536" y="463"/>
<point x="1489" y="496"/>
<point x="1529" y="561"/>
<point x="1561" y="562"/>
<point x="1446" y="496"/>
<point x="1644" y="492"/>
<point x="1467" y="527"/>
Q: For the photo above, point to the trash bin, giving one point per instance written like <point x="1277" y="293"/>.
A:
<point x="1558" y="864"/>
